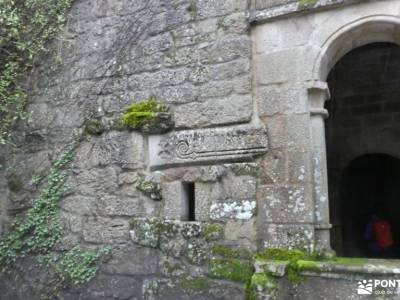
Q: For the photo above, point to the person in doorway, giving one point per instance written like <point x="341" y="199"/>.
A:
<point x="379" y="236"/>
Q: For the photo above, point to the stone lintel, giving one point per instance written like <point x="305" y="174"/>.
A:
<point x="210" y="145"/>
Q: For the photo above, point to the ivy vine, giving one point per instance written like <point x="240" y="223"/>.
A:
<point x="40" y="230"/>
<point x="26" y="27"/>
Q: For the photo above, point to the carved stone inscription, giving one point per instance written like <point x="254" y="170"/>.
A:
<point x="208" y="145"/>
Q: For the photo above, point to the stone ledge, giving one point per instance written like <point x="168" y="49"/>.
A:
<point x="329" y="268"/>
<point x="270" y="13"/>
<point x="370" y="267"/>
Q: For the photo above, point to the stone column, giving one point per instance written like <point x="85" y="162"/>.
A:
<point x="318" y="93"/>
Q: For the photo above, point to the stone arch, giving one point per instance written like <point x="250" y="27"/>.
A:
<point x="357" y="33"/>
<point x="383" y="31"/>
<point x="331" y="43"/>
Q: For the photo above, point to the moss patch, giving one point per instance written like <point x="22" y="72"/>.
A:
<point x="260" y="282"/>
<point x="230" y="253"/>
<point x="299" y="261"/>
<point x="142" y="113"/>
<point x="308" y="265"/>
<point x="231" y="269"/>
<point x="349" y="261"/>
<point x="286" y="255"/>
<point x="292" y="257"/>
<point x="195" y="284"/>
<point x="307" y="3"/>
<point x="213" y="232"/>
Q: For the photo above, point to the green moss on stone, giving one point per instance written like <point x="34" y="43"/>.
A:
<point x="308" y="265"/>
<point x="139" y="114"/>
<point x="230" y="253"/>
<point x="137" y="119"/>
<point x="292" y="257"/>
<point x="299" y="261"/>
<point x="231" y="269"/>
<point x="349" y="261"/>
<point x="264" y="281"/>
<point x="285" y="255"/>
<point x="195" y="284"/>
<point x="213" y="232"/>
<point x="307" y="3"/>
<point x="261" y="282"/>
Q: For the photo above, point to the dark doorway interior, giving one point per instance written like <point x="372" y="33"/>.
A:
<point x="370" y="186"/>
<point x="364" y="122"/>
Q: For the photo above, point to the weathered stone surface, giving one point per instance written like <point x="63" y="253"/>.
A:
<point x="233" y="109"/>
<point x="123" y="148"/>
<point x="289" y="236"/>
<point x="149" y="187"/>
<point x="287" y="204"/>
<point x="101" y="230"/>
<point x="208" y="145"/>
<point x="270" y="9"/>
<point x="173" y="195"/>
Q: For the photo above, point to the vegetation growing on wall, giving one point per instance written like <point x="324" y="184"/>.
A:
<point x="40" y="230"/>
<point x="26" y="27"/>
<point x="307" y="3"/>
<point x="149" y="116"/>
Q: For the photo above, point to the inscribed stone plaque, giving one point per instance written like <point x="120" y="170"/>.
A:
<point x="207" y="145"/>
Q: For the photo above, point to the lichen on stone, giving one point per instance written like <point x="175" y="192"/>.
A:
<point x="243" y="169"/>
<point x="145" y="231"/>
<point x="196" y="253"/>
<point x="94" y="126"/>
<point x="149" y="116"/>
<point x="240" y="210"/>
<point x="149" y="187"/>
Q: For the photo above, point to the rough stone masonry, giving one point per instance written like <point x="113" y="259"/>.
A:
<point x="245" y="82"/>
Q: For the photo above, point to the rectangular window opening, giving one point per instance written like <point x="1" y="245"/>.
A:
<point x="189" y="207"/>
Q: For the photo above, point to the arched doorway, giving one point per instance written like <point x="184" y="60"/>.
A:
<point x="364" y="119"/>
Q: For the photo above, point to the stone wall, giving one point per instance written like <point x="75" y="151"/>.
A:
<point x="194" y="56"/>
<point x="220" y="78"/>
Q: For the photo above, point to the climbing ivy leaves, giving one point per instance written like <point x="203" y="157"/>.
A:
<point x="26" y="27"/>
